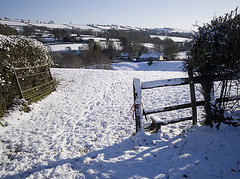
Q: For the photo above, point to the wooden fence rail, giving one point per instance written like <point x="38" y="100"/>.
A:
<point x="138" y="86"/>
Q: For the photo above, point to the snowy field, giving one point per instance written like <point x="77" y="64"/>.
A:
<point x="85" y="130"/>
<point x="62" y="47"/>
<point x="156" y="66"/>
<point x="175" y="39"/>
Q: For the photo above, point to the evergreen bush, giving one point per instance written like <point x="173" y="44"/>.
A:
<point x="215" y="52"/>
<point x="17" y="52"/>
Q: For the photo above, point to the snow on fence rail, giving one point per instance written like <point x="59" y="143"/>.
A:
<point x="34" y="82"/>
<point x="138" y="86"/>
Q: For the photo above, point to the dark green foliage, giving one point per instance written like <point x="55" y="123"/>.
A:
<point x="58" y="33"/>
<point x="137" y="36"/>
<point x="86" y="32"/>
<point x="158" y="44"/>
<point x="170" y="48"/>
<point x="133" y="48"/>
<point x="6" y="30"/>
<point x="65" y="34"/>
<point x="95" y="58"/>
<point x="215" y="52"/>
<point x="67" y="60"/>
<point x="142" y="50"/>
<point x="110" y="50"/>
<point x="186" y="46"/>
<point x="28" y="30"/>
<point x="216" y="45"/>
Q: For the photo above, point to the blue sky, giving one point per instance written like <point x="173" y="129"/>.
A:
<point x="139" y="13"/>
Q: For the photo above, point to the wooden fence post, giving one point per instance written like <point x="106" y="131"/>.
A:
<point x="18" y="83"/>
<point x="193" y="96"/>
<point x="137" y="103"/>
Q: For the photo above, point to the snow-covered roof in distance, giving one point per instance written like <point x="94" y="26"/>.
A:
<point x="74" y="35"/>
<point x="151" y="55"/>
<point x="148" y="45"/>
<point x="124" y="54"/>
<point x="175" y="39"/>
<point x="48" y="39"/>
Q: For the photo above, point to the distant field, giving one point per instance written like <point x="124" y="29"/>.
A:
<point x="175" y="39"/>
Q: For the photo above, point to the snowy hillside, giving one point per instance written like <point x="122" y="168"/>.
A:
<point x="175" y="39"/>
<point x="13" y="23"/>
<point x="93" y="27"/>
<point x="84" y="27"/>
<point x="51" y="26"/>
<point x="85" y="130"/>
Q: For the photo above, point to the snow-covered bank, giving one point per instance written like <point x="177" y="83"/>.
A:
<point x="84" y="130"/>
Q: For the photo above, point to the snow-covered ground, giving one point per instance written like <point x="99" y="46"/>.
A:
<point x="85" y="130"/>
<point x="156" y="66"/>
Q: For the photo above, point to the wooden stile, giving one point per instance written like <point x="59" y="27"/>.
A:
<point x="156" y="123"/>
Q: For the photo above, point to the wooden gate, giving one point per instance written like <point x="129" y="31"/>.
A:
<point x="34" y="82"/>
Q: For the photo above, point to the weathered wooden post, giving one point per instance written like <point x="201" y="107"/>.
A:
<point x="137" y="103"/>
<point x="193" y="96"/>
<point x="18" y="83"/>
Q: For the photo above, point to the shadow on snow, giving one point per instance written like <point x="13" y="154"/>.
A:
<point x="137" y="156"/>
